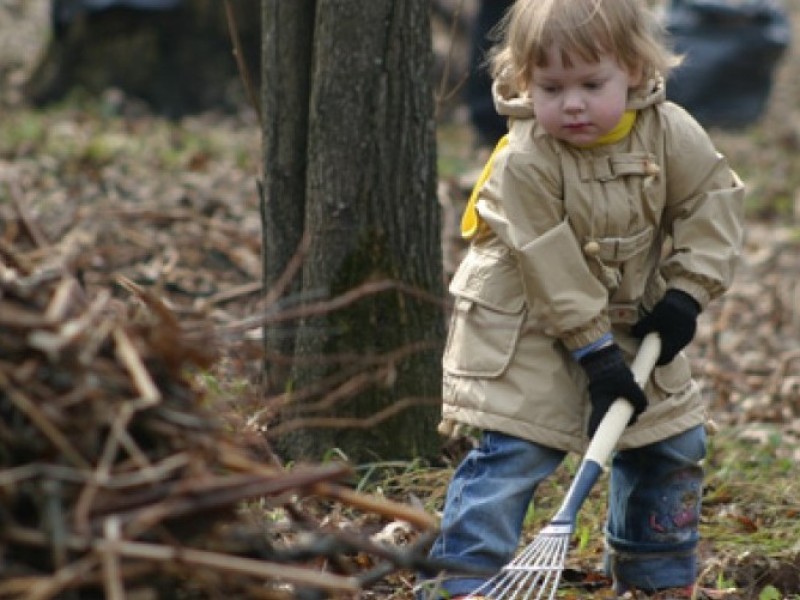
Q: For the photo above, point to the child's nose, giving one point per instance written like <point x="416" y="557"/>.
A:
<point x="573" y="101"/>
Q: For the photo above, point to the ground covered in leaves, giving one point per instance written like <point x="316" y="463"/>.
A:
<point x="123" y="195"/>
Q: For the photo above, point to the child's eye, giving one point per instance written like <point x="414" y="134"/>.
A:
<point x="593" y="85"/>
<point x="549" y="89"/>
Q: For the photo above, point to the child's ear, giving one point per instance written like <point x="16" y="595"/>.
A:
<point x="635" y="76"/>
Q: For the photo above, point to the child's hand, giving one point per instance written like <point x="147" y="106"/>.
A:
<point x="609" y="379"/>
<point x="674" y="317"/>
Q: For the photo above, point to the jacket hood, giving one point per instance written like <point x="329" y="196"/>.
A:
<point x="509" y="103"/>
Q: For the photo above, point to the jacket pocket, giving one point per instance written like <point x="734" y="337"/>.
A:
<point x="622" y="249"/>
<point x="487" y="318"/>
<point x="620" y="260"/>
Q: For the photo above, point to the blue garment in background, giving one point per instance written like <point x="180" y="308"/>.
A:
<point x="143" y="4"/>
<point x="489" y="126"/>
<point x="64" y="12"/>
<point x="731" y="52"/>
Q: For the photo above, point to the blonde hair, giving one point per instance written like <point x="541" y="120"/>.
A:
<point x="625" y="29"/>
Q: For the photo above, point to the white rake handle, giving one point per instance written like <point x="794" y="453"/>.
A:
<point x="619" y="413"/>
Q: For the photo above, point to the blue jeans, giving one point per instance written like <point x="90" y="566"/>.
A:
<point x="653" y="512"/>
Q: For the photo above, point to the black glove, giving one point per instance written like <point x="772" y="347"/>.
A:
<point x="609" y="379"/>
<point x="674" y="317"/>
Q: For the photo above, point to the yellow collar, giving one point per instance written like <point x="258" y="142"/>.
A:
<point x="470" y="221"/>
<point x="620" y="130"/>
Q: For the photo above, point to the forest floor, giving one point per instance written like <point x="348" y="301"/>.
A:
<point x="173" y="205"/>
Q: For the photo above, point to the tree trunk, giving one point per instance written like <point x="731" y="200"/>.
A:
<point x="287" y="50"/>
<point x="371" y="211"/>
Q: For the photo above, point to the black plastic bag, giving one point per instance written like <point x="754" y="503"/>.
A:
<point x="731" y="50"/>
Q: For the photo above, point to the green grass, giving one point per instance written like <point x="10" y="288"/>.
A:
<point x="92" y="134"/>
<point x="752" y="495"/>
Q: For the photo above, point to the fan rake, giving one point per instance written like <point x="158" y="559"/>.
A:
<point x="535" y="573"/>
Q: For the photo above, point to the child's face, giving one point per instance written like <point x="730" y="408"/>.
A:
<point x="581" y="102"/>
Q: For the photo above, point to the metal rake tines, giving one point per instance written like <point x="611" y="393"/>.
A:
<point x="534" y="574"/>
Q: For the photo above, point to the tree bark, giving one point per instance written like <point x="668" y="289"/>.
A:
<point x="371" y="211"/>
<point x="287" y="47"/>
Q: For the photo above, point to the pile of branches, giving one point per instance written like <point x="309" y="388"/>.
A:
<point x="116" y="478"/>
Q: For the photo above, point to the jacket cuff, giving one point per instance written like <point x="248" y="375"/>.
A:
<point x="576" y="339"/>
<point x="694" y="289"/>
<point x="605" y="340"/>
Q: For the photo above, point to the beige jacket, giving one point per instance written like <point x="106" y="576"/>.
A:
<point x="574" y="243"/>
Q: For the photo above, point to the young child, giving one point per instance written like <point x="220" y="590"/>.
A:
<point x="605" y="213"/>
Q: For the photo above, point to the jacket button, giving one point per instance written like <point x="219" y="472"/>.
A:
<point x="651" y="168"/>
<point x="591" y="248"/>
